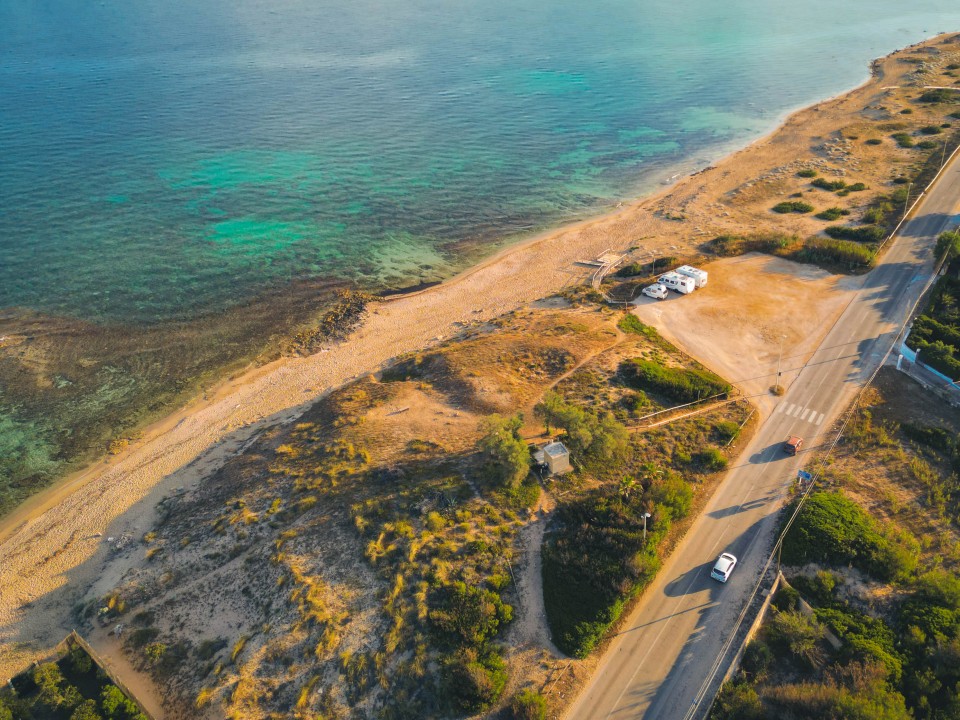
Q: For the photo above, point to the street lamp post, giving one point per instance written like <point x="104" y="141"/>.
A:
<point x="780" y="359"/>
<point x="906" y="201"/>
<point x="645" y="516"/>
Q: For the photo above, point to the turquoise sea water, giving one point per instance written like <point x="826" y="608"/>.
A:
<point x="164" y="158"/>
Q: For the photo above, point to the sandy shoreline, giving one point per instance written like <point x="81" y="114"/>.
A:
<point x="53" y="550"/>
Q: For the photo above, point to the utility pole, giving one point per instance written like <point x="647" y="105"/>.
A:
<point x="906" y="201"/>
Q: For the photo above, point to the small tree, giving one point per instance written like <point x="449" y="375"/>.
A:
<point x="506" y="453"/>
<point x="49" y="680"/>
<point x="948" y="246"/>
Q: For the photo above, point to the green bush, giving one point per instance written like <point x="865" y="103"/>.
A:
<point x="931" y="130"/>
<point x="834" y="213"/>
<point x="832" y="185"/>
<point x="711" y="460"/>
<point x="726" y="431"/>
<point x="856" y="187"/>
<point x="874" y="141"/>
<point x="737" y="701"/>
<point x="831" y="528"/>
<point x="864" y="639"/>
<point x="904" y="140"/>
<point x="807" y="173"/>
<point x="941" y="357"/>
<point x="474" y="681"/>
<point x="792" y="206"/>
<point x="679" y="384"/>
<point x="528" y="705"/>
<point x="926" y="145"/>
<point x="866" y="233"/>
<point x="467" y="615"/>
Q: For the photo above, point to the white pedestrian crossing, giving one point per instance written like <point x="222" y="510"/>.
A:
<point x="806" y="414"/>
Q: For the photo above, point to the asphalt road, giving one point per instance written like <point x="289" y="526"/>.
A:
<point x="655" y="667"/>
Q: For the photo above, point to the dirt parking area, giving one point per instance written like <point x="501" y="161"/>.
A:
<point x="751" y="303"/>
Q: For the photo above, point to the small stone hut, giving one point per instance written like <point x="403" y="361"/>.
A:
<point x="557" y="458"/>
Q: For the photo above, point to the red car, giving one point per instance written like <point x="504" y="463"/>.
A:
<point x="792" y="445"/>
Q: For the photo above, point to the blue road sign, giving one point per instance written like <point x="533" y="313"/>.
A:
<point x="804" y="475"/>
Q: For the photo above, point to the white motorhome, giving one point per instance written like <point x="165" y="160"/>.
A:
<point x="699" y="276"/>
<point x="678" y="283"/>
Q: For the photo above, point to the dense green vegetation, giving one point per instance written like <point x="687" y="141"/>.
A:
<point x="936" y="332"/>
<point x="832" y="529"/>
<point x="678" y="384"/>
<point x="831" y="185"/>
<point x="864" y="234"/>
<point x="823" y="251"/>
<point x="807" y="173"/>
<point x="72" y="688"/>
<point x="600" y="560"/>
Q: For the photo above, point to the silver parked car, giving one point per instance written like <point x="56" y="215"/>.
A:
<point x="656" y="291"/>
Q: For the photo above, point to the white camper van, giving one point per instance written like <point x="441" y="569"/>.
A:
<point x="678" y="283"/>
<point x="699" y="276"/>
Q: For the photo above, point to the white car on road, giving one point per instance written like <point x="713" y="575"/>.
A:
<point x="725" y="565"/>
<point x="656" y="291"/>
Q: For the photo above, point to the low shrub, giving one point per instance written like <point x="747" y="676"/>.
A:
<point x="834" y="213"/>
<point x="874" y="141"/>
<point x="726" y="431"/>
<point x="711" y="460"/>
<point x="865" y="233"/>
<point x="904" y="140"/>
<point x="474" y="681"/>
<point x="856" y="187"/>
<point x="528" y="705"/>
<point x="794" y="206"/>
<point x="931" y="130"/>
<point x="832" y="185"/>
<point x="926" y="145"/>
<point x="807" y="173"/>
